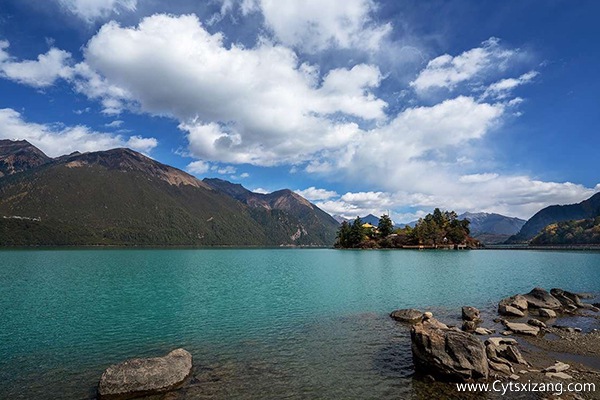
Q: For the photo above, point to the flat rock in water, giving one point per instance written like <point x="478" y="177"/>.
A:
<point x="406" y="315"/>
<point x="497" y="341"/>
<point x="145" y="376"/>
<point x="557" y="367"/>
<point x="559" y="375"/>
<point x="536" y="322"/>
<point x="483" y="331"/>
<point x="523" y="329"/>
<point x="517" y="301"/>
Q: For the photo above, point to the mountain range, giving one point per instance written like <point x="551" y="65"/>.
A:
<point x="121" y="197"/>
<point x="490" y="228"/>
<point x="586" y="209"/>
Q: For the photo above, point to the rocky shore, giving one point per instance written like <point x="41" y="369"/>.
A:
<point x="526" y="343"/>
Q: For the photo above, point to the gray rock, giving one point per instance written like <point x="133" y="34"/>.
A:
<point x="546" y="313"/>
<point x="497" y="341"/>
<point x="407" y="315"/>
<point x="566" y="298"/>
<point x="510" y="311"/>
<point x="470" y="314"/>
<point x="506" y="333"/>
<point x="540" y="298"/>
<point x="517" y="301"/>
<point x="514" y="377"/>
<point x="501" y="367"/>
<point x="447" y="354"/>
<point x="428" y="315"/>
<point x="523" y="329"/>
<point x="559" y="375"/>
<point x="483" y="331"/>
<point x="536" y="322"/>
<point x="469" y="326"/>
<point x="590" y="307"/>
<point x="145" y="376"/>
<point x="557" y="367"/>
<point x="511" y="353"/>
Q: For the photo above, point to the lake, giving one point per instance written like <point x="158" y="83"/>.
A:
<point x="260" y="323"/>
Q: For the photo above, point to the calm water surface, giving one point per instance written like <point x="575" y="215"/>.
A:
<point x="260" y="323"/>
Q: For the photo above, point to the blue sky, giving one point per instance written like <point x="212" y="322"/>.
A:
<point x="359" y="105"/>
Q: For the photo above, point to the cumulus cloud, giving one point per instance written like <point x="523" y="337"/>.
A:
<point x="239" y="105"/>
<point x="314" y="25"/>
<point x="57" y="139"/>
<point x="39" y="73"/>
<point x="448" y="71"/>
<point x="312" y="193"/>
<point x="198" y="167"/>
<point x="114" y="124"/>
<point x="90" y="10"/>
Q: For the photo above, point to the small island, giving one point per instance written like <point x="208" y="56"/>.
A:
<point x="437" y="230"/>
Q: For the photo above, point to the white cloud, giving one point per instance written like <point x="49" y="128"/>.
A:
<point x="198" y="167"/>
<point x="315" y="25"/>
<point x="114" y="124"/>
<point x="224" y="170"/>
<point x="90" y="10"/>
<point x="38" y="73"/>
<point x="261" y="191"/>
<point x="238" y="105"/>
<point x="312" y="193"/>
<point x="503" y="88"/>
<point x="448" y="71"/>
<point x="56" y="139"/>
<point x="145" y="145"/>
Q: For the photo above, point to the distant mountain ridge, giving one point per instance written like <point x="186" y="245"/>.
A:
<point x="121" y="197"/>
<point x="586" y="209"/>
<point x="490" y="228"/>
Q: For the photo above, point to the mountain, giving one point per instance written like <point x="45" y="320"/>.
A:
<point x="18" y="156"/>
<point x="121" y="197"/>
<point x="284" y="212"/>
<point x="491" y="228"/>
<point x="587" y="209"/>
<point x="573" y="232"/>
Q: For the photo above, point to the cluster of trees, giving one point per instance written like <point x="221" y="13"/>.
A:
<point x="438" y="228"/>
<point x="585" y="231"/>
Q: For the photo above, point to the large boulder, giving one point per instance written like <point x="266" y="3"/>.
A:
<point x="447" y="354"/>
<point x="509" y="311"/>
<point x="546" y="313"/>
<point x="406" y="315"/>
<point x="145" y="376"/>
<point x="540" y="298"/>
<point x="517" y="301"/>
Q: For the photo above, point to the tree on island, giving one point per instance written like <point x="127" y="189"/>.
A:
<point x="441" y="228"/>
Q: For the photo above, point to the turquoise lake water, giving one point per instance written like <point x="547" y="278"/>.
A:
<point x="260" y="323"/>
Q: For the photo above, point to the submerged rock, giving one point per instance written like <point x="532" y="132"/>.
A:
<point x="406" y="315"/>
<point x="447" y="354"/>
<point x="145" y="376"/>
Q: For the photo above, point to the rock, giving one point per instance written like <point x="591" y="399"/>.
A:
<point x="406" y="315"/>
<point x="536" y="322"/>
<point x="506" y="333"/>
<point x="546" y="313"/>
<point x="469" y="326"/>
<point x="540" y="298"/>
<point x="566" y="298"/>
<point x="567" y="328"/>
<point x="145" y="376"/>
<point x="517" y="301"/>
<point x="511" y="353"/>
<point x="497" y="341"/>
<point x="483" y="331"/>
<point x="510" y="311"/>
<point x="427" y="315"/>
<point x="470" y="314"/>
<point x="514" y="377"/>
<point x="559" y="375"/>
<point x="590" y="307"/>
<point x="557" y="367"/>
<point x="501" y="367"/>
<point x="447" y="354"/>
<point x="523" y="329"/>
